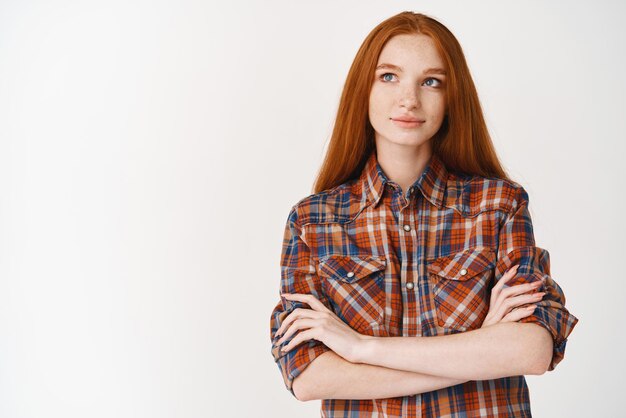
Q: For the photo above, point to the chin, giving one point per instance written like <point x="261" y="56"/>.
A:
<point x="406" y="137"/>
<point x="412" y="142"/>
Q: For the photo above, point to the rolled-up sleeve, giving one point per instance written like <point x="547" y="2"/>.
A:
<point x="516" y="245"/>
<point x="298" y="275"/>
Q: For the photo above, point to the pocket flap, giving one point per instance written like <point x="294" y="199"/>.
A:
<point x="463" y="265"/>
<point x="351" y="268"/>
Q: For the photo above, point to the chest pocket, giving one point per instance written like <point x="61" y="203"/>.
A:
<point x="355" y="284"/>
<point x="460" y="285"/>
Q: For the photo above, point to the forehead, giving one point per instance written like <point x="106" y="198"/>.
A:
<point x="411" y="51"/>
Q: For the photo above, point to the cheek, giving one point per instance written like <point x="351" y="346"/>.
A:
<point x="437" y="106"/>
<point x="375" y="106"/>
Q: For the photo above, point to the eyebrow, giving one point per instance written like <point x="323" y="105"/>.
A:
<point x="434" y="70"/>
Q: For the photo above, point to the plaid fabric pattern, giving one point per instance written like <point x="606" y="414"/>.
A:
<point x="417" y="264"/>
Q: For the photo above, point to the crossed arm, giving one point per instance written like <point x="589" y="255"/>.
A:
<point x="402" y="365"/>
<point x="416" y="365"/>
<point x="409" y="365"/>
<point x="330" y="376"/>
<point x="331" y="367"/>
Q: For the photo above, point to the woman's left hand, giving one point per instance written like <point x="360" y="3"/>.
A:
<point x="321" y="324"/>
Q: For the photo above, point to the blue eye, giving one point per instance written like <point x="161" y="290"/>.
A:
<point x="382" y="76"/>
<point x="436" y="79"/>
<point x="387" y="77"/>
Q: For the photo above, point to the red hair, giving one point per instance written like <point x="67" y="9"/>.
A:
<point x="463" y="142"/>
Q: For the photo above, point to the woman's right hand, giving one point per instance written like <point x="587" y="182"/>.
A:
<point x="507" y="305"/>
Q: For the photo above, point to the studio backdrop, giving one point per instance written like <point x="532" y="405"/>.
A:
<point x="150" y="153"/>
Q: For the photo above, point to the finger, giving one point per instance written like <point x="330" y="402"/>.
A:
<point x="510" y="273"/>
<point x="295" y="314"/>
<point x="498" y="313"/>
<point x="303" y="336"/>
<point x="309" y="299"/>
<point x="507" y="275"/>
<point x="298" y="324"/>
<point x="519" y="313"/>
<point x="521" y="288"/>
<point x="500" y="307"/>
<point x="498" y="298"/>
<point x="523" y="299"/>
<point x="508" y="304"/>
<point x="292" y="316"/>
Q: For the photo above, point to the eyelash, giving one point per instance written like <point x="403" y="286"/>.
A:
<point x="430" y="78"/>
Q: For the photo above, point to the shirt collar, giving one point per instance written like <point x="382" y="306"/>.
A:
<point x="432" y="181"/>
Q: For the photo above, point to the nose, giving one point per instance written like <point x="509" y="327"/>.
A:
<point x="410" y="97"/>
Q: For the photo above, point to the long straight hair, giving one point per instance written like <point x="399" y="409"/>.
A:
<point x="462" y="142"/>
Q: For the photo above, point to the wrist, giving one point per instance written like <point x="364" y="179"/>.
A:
<point x="366" y="349"/>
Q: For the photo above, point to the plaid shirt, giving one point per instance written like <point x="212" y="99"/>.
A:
<point x="416" y="265"/>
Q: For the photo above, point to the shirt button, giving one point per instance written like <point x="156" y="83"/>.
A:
<point x="463" y="272"/>
<point x="407" y="228"/>
<point x="350" y="274"/>
<point x="409" y="285"/>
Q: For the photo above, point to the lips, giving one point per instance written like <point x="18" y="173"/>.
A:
<point x="408" y="119"/>
<point x="408" y="122"/>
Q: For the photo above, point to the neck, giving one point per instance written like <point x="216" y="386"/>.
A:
<point x="403" y="164"/>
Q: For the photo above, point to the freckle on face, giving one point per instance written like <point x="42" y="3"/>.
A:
<point x="415" y="54"/>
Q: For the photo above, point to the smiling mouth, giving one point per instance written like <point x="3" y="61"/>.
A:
<point x="407" y="120"/>
<point x="408" y="123"/>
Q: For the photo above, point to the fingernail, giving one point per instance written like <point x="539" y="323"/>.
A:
<point x="531" y="307"/>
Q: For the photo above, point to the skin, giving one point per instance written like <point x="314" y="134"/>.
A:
<point x="410" y="90"/>
<point x="348" y="370"/>
<point x="320" y="323"/>
<point x="400" y="365"/>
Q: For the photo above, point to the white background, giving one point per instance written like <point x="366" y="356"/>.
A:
<point x="150" y="152"/>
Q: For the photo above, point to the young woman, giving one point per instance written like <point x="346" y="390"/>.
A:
<point x="411" y="284"/>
